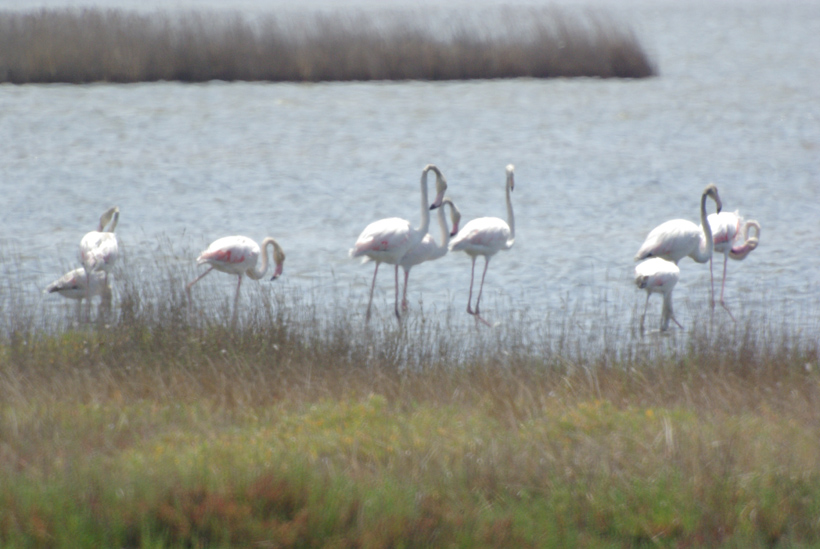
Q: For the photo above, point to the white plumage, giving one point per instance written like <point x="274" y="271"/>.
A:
<point x="730" y="233"/>
<point x="660" y="276"/>
<point x="388" y="240"/>
<point x="486" y="236"/>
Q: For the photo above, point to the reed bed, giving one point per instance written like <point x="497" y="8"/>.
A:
<point x="97" y="45"/>
<point x="300" y="428"/>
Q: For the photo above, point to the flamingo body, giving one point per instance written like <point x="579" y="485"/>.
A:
<point x="730" y="233"/>
<point x="679" y="238"/>
<point x="672" y="240"/>
<point x="231" y="254"/>
<point x="388" y="240"/>
<point x="486" y="236"/>
<point x="74" y="284"/>
<point x="657" y="275"/>
<point x="99" y="249"/>
<point x="239" y="255"/>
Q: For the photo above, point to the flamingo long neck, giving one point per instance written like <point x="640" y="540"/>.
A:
<point x="510" y="216"/>
<point x="259" y="270"/>
<point x="425" y="207"/>
<point x="445" y="231"/>
<point x="704" y="252"/>
<point x="750" y="242"/>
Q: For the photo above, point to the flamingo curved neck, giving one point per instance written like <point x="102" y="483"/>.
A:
<point x="425" y="209"/>
<point x="704" y="252"/>
<point x="258" y="271"/>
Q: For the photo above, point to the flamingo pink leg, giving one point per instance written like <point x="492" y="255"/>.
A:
<point x="470" y="296"/>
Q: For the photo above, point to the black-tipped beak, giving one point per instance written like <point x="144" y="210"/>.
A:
<point x="274" y="277"/>
<point x="434" y="206"/>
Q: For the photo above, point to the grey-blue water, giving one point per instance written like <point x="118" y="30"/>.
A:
<point x="599" y="163"/>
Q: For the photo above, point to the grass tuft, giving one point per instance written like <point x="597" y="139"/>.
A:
<point x="302" y="428"/>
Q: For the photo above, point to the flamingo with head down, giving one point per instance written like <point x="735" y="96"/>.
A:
<point x="730" y="233"/>
<point x="239" y="255"/>
<point x="657" y="275"/>
<point x="679" y="238"/>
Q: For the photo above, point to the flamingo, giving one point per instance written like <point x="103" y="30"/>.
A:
<point x="75" y="285"/>
<point x="730" y="233"/>
<point x="238" y="255"/>
<point x="387" y="240"/>
<point x="99" y="249"/>
<point x="486" y="236"/>
<point x="678" y="238"/>
<point x="658" y="275"/>
<point x="427" y="249"/>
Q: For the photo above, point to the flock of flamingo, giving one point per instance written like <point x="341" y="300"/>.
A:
<point x="394" y="241"/>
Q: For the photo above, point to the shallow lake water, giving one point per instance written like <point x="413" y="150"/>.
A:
<point x="599" y="163"/>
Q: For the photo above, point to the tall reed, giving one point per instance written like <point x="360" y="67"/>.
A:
<point x="92" y="45"/>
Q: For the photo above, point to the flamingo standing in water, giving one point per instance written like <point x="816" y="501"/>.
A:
<point x="658" y="275"/>
<point x="388" y="240"/>
<point x="238" y="255"/>
<point x="730" y="233"/>
<point x="99" y="249"/>
<point x="427" y="249"/>
<point x="75" y="285"/>
<point x="678" y="238"/>
<point x="486" y="236"/>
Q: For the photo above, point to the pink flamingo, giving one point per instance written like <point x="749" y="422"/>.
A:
<point x="486" y="236"/>
<point x="238" y="255"/>
<point x="658" y="275"/>
<point x="387" y="240"/>
<point x="678" y="238"/>
<point x="99" y="249"/>
<point x="75" y="285"/>
<point x="427" y="249"/>
<point x="730" y="233"/>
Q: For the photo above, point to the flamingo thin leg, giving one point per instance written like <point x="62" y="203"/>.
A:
<point x="372" y="286"/>
<point x="470" y="297"/>
<point x="480" y="290"/>
<point x="404" y="294"/>
<point x="188" y="289"/>
<point x="236" y="302"/>
<point x="723" y="285"/>
<point x="396" y="306"/>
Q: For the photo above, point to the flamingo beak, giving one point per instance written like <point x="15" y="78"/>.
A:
<point x="277" y="273"/>
<point x="438" y="201"/>
<point x="455" y="230"/>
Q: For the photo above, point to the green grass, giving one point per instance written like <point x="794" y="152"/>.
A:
<point x="303" y="429"/>
<point x="93" y="45"/>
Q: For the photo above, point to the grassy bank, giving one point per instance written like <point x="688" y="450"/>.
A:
<point x="302" y="429"/>
<point x="92" y="45"/>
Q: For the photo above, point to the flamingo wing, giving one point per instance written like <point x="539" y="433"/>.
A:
<point x="672" y="240"/>
<point x="483" y="236"/>
<point x="386" y="240"/>
<point x="656" y="275"/>
<point x="231" y="254"/>
<point x="725" y="230"/>
<point x="98" y="251"/>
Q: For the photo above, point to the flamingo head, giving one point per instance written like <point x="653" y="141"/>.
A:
<point x="111" y="215"/>
<point x="455" y="215"/>
<point x="712" y="192"/>
<point x="278" y="260"/>
<point x="441" y="187"/>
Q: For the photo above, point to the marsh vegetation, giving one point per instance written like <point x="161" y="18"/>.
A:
<point x="301" y="428"/>
<point x="93" y="45"/>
